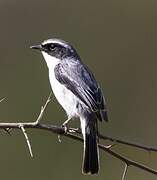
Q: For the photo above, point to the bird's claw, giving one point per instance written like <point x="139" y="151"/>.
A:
<point x="65" y="127"/>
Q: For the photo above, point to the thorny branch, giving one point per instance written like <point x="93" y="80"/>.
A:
<point x="136" y="145"/>
<point x="71" y="133"/>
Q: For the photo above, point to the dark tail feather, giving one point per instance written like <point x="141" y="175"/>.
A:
<point x="91" y="156"/>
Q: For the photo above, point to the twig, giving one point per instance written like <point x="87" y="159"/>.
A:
<point x="128" y="161"/>
<point x="125" y="171"/>
<point x="139" y="146"/>
<point x="27" y="139"/>
<point x="43" y="109"/>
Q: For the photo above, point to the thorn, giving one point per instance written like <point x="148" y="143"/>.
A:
<point x="43" y="109"/>
<point x="27" y="140"/>
<point x="110" y="146"/>
<point x="59" y="139"/>
<point x="125" y="171"/>
<point x="2" y="99"/>
<point x="8" y="131"/>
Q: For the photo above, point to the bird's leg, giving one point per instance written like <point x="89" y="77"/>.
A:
<point x="66" y="122"/>
<point x="64" y="125"/>
<point x="72" y="130"/>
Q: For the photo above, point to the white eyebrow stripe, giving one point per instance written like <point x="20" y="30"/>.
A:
<point x="57" y="41"/>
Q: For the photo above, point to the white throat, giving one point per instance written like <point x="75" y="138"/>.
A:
<point x="50" y="61"/>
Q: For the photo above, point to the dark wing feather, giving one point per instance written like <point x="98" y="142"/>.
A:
<point x="78" y="79"/>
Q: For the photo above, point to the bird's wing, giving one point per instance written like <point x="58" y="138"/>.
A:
<point x="79" y="80"/>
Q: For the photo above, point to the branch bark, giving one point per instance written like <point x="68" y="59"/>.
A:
<point x="62" y="131"/>
<point x="73" y="134"/>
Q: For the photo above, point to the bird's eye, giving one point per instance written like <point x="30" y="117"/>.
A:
<point x="52" y="46"/>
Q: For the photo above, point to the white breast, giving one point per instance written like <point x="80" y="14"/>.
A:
<point x="64" y="96"/>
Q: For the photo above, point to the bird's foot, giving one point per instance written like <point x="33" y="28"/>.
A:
<point x="65" y="125"/>
<point x="65" y="128"/>
<point x="75" y="130"/>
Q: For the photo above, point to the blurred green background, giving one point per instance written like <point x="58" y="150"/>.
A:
<point x="118" y="40"/>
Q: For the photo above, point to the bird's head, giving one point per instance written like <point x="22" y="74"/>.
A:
<point x="56" y="49"/>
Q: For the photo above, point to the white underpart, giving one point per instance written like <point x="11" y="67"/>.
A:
<point x="64" y="96"/>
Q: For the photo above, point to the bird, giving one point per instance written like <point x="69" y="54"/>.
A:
<point x="78" y="92"/>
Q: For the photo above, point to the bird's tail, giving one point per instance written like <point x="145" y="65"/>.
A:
<point x="91" y="154"/>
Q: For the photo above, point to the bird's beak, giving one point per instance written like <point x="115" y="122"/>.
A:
<point x="39" y="47"/>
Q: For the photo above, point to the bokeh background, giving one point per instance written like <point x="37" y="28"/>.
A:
<point x="118" y="40"/>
